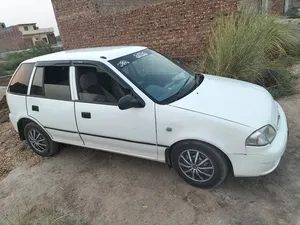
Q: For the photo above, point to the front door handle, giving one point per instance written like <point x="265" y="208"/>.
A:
<point x="35" y="108"/>
<point x="86" y="115"/>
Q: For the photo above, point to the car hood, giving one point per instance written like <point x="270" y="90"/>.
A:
<point x="233" y="100"/>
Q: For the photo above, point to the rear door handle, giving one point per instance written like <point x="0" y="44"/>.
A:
<point x="35" y="108"/>
<point x="86" y="115"/>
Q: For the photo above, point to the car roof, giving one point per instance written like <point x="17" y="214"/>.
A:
<point x="107" y="53"/>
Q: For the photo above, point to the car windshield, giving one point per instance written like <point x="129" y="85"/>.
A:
<point x="157" y="76"/>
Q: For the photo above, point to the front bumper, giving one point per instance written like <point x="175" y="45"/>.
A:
<point x="262" y="160"/>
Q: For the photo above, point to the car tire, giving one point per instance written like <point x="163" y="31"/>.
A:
<point x="39" y="140"/>
<point x="208" y="170"/>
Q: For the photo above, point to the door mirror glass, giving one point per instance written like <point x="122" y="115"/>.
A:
<point x="128" y="101"/>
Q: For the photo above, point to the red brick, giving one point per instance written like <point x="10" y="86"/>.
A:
<point x="277" y="7"/>
<point x="179" y="28"/>
<point x="11" y="39"/>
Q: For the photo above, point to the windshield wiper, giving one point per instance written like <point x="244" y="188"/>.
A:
<point x="185" y="83"/>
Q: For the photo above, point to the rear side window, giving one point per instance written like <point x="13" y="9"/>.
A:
<point x="20" y="81"/>
<point x="51" y="82"/>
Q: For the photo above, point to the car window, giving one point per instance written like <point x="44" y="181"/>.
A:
<point x="150" y="66"/>
<point x="38" y="82"/>
<point x="95" y="85"/>
<point x="157" y="76"/>
<point x="20" y="81"/>
<point x="52" y="82"/>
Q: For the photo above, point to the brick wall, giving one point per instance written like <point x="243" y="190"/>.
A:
<point x="271" y="6"/>
<point x="294" y="3"/>
<point x="28" y="42"/>
<point x="11" y="39"/>
<point x="51" y="39"/>
<point x="67" y="8"/>
<point x="106" y="7"/>
<point x="277" y="7"/>
<point x="255" y="5"/>
<point x="178" y="28"/>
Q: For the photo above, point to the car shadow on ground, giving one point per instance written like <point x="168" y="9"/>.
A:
<point x="270" y="196"/>
<point x="137" y="167"/>
<point x="86" y="182"/>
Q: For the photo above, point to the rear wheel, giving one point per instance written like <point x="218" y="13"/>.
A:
<point x="199" y="164"/>
<point x="39" y="140"/>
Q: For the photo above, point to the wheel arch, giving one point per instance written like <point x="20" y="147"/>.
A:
<point x="22" y="122"/>
<point x="168" y="152"/>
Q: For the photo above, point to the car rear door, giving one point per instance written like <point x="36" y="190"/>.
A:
<point x="50" y="102"/>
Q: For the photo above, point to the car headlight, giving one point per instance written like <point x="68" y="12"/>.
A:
<point x="262" y="136"/>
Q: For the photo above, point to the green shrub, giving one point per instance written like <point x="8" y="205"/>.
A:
<point x="278" y="79"/>
<point x="244" y="45"/>
<point x="39" y="50"/>
<point x="13" y="60"/>
<point x="293" y="12"/>
<point x="58" y="38"/>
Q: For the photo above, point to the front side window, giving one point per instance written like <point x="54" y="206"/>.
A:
<point x="26" y="28"/>
<point x="51" y="82"/>
<point x="96" y="85"/>
<point x="20" y="81"/>
<point x="158" y="77"/>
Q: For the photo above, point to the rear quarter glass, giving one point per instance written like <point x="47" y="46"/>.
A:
<point x="20" y="81"/>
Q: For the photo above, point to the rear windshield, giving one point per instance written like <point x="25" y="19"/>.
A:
<point x="19" y="83"/>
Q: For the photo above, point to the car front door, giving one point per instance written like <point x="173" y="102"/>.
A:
<point x="49" y="102"/>
<point x="102" y="124"/>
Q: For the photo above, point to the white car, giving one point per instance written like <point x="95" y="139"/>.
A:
<point x="134" y="101"/>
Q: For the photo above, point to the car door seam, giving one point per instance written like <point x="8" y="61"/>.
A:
<point x="101" y="136"/>
<point x="156" y="137"/>
<point x="75" y="117"/>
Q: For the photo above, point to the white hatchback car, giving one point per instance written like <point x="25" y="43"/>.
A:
<point x="134" y="101"/>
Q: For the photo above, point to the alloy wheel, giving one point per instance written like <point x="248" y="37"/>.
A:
<point x="37" y="140"/>
<point x="196" y="165"/>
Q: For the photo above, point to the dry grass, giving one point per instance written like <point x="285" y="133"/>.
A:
<point x="39" y="216"/>
<point x="250" y="46"/>
<point x="244" y="44"/>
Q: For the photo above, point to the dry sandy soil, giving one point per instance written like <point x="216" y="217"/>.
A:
<point x="104" y="188"/>
<point x="2" y="91"/>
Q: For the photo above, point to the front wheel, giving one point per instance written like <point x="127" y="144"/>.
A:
<point x="39" y="140"/>
<point x="199" y="164"/>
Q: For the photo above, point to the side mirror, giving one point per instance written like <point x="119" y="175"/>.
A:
<point x="128" y="101"/>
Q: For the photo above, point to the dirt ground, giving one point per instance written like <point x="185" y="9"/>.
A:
<point x="13" y="152"/>
<point x="104" y="188"/>
<point x="2" y="91"/>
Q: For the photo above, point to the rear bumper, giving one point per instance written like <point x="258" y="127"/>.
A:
<point x="14" y="122"/>
<point x="262" y="160"/>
